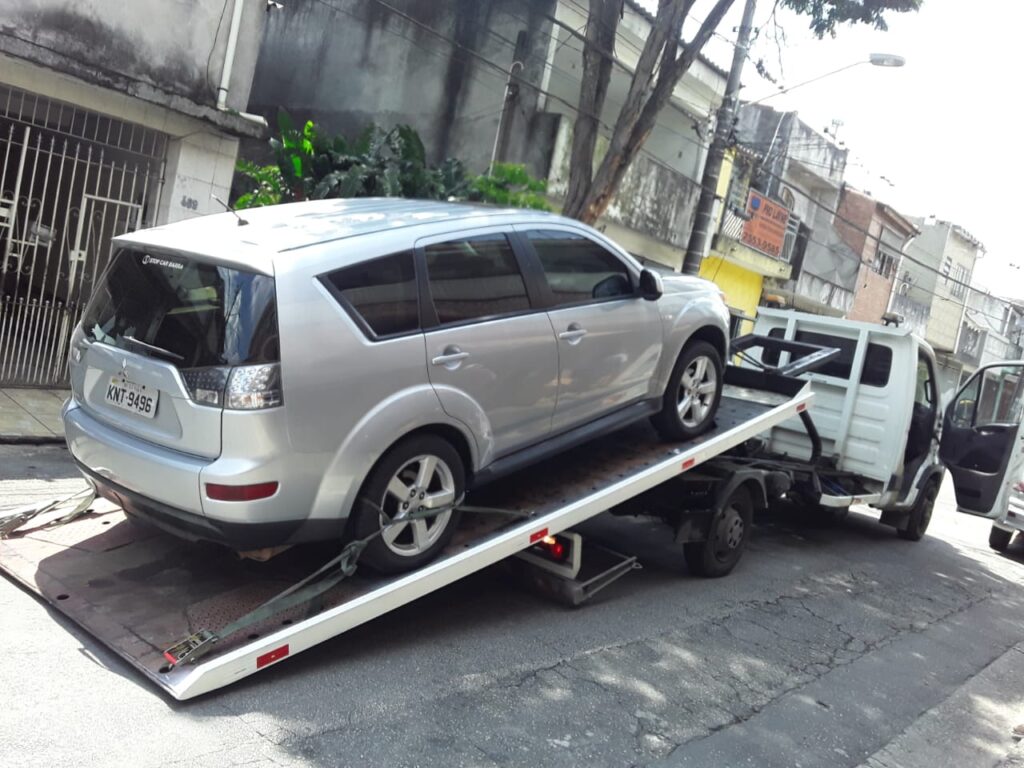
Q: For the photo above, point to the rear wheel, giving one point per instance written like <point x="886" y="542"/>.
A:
<point x="999" y="539"/>
<point x="921" y="514"/>
<point x="727" y="536"/>
<point x="693" y="393"/>
<point x="423" y="472"/>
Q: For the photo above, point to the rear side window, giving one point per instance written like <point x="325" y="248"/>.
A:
<point x="877" y="359"/>
<point x="577" y="269"/>
<point x="380" y="294"/>
<point x="194" y="314"/>
<point x="474" y="278"/>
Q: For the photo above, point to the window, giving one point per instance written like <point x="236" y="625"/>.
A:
<point x="877" y="359"/>
<point x="995" y="396"/>
<point x="204" y="315"/>
<point x="959" y="279"/>
<point x="473" y="278"/>
<point x="380" y="294"/>
<point x="885" y="262"/>
<point x="579" y="270"/>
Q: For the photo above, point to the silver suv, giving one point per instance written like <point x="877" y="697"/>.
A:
<point x="316" y="369"/>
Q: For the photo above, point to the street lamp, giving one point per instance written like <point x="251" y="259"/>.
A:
<point x="874" y="59"/>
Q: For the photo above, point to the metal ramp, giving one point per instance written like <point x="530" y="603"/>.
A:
<point x="139" y="591"/>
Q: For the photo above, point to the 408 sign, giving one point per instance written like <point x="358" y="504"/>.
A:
<point x="765" y="230"/>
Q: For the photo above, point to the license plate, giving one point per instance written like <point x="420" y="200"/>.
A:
<point x="129" y="396"/>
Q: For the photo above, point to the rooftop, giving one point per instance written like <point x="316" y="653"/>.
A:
<point x="277" y="228"/>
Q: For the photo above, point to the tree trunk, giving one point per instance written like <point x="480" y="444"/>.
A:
<point x="602" y="24"/>
<point x="639" y="114"/>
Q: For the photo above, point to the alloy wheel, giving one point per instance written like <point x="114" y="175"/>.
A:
<point x="698" y="388"/>
<point x="422" y="483"/>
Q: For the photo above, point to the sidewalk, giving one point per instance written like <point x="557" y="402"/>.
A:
<point x="31" y="415"/>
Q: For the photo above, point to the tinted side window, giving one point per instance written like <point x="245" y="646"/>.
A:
<point x="877" y="359"/>
<point x="475" y="277"/>
<point x="578" y="269"/>
<point x="380" y="292"/>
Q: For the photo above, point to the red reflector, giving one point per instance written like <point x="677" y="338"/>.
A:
<point x="271" y="656"/>
<point x="801" y="408"/>
<point x="557" y="550"/>
<point x="535" y="537"/>
<point x="689" y="463"/>
<point x="170" y="658"/>
<point x="219" y="492"/>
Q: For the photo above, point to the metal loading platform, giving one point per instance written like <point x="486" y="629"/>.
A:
<point x="139" y="591"/>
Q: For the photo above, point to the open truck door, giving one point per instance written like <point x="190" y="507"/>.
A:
<point x="982" y="444"/>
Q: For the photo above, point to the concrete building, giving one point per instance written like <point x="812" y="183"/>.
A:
<point x="879" y="234"/>
<point x="445" y="66"/>
<point x="801" y="169"/>
<point x="109" y="121"/>
<point x="991" y="331"/>
<point x="936" y="273"/>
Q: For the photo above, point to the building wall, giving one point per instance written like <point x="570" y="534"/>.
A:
<point x="168" y="52"/>
<point x="742" y="288"/>
<point x="950" y="298"/>
<point x="322" y="63"/>
<point x="359" y="63"/>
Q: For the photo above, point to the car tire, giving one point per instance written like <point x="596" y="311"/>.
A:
<point x="921" y="514"/>
<point x="429" y="468"/>
<point x="699" y="367"/>
<point x="999" y="539"/>
<point x="727" y="537"/>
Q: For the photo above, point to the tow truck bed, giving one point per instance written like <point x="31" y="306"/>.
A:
<point x="138" y="591"/>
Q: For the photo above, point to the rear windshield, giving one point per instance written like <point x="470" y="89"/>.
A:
<point x="196" y="314"/>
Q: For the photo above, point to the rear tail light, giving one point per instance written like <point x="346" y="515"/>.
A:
<point x="243" y="388"/>
<point x="219" y="492"/>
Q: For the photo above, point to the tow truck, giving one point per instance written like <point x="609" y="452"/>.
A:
<point x="193" y="619"/>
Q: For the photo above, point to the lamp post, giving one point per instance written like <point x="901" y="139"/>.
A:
<point x="697" y="244"/>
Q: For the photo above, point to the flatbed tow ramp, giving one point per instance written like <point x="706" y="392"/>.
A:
<point x="183" y="613"/>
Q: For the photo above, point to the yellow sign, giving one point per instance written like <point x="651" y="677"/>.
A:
<point x="765" y="229"/>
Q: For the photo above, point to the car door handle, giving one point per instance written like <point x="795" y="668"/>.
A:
<point x="450" y="358"/>
<point x="573" y="334"/>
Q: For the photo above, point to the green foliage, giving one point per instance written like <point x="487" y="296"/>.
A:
<point x="509" y="184"/>
<point x="269" y="185"/>
<point x="377" y="163"/>
<point x="827" y="15"/>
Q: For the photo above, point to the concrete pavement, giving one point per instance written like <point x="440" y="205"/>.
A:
<point x="31" y="415"/>
<point x="827" y="647"/>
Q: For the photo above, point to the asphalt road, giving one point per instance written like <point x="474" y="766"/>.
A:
<point x="826" y="647"/>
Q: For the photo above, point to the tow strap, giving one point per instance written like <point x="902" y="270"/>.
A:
<point x="329" y="575"/>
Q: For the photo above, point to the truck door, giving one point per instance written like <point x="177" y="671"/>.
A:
<point x="982" y="444"/>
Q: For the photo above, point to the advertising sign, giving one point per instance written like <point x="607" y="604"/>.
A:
<point x="765" y="230"/>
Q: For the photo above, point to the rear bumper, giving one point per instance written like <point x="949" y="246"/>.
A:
<point x="187" y="525"/>
<point x="164" y="487"/>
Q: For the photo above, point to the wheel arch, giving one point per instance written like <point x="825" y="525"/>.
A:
<point x="714" y="336"/>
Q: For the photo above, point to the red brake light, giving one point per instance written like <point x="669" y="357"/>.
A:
<point x="219" y="492"/>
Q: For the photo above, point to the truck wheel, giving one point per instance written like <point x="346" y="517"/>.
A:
<point x="921" y="514"/>
<point x="693" y="393"/>
<point x="999" y="539"/>
<point x="727" y="537"/>
<point x="420" y="472"/>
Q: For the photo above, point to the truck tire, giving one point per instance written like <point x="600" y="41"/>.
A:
<point x="999" y="539"/>
<point x="427" y="458"/>
<point x="693" y="393"/>
<point x="727" y="537"/>
<point x="921" y="514"/>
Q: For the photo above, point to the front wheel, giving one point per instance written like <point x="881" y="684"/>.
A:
<point x="727" y="536"/>
<point x="423" y="472"/>
<point x="693" y="393"/>
<point x="921" y="514"/>
<point x="999" y="539"/>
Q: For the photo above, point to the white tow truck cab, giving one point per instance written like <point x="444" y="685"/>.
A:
<point x="877" y="411"/>
<point x="983" y="446"/>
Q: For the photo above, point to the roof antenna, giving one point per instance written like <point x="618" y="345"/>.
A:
<point x="241" y="222"/>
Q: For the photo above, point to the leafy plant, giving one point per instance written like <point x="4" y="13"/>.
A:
<point x="269" y="188"/>
<point x="509" y="184"/>
<point x="377" y="163"/>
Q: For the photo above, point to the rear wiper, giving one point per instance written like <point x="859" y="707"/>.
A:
<point x="153" y="348"/>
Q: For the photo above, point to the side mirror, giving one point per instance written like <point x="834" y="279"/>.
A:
<point x="650" y="285"/>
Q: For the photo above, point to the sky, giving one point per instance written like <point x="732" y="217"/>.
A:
<point x="935" y="137"/>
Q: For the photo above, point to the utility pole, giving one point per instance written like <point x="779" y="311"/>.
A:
<point x="716" y="152"/>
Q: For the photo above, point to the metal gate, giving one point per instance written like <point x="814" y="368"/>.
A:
<point x="70" y="180"/>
